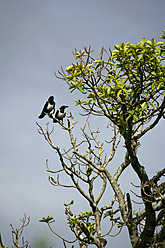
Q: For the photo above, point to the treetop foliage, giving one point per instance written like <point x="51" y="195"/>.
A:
<point x="126" y="83"/>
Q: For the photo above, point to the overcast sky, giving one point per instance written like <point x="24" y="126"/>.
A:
<point x="36" y="38"/>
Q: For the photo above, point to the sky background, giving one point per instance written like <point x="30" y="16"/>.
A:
<point x="36" y="38"/>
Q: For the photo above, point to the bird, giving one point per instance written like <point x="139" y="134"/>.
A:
<point x="60" y="113"/>
<point x="48" y="107"/>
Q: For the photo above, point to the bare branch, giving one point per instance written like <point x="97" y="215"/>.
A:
<point x="16" y="233"/>
<point x="64" y="240"/>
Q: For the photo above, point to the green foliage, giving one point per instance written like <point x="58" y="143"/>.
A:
<point x="48" y="219"/>
<point x="131" y="80"/>
<point x="85" y="218"/>
<point x="111" y="214"/>
<point x="162" y="221"/>
<point x="89" y="171"/>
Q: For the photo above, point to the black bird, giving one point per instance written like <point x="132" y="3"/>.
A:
<point x="60" y="113"/>
<point x="48" y="107"/>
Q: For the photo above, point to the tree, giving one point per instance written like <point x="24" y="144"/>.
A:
<point x="126" y="86"/>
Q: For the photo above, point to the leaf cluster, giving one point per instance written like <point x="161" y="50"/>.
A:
<point x="111" y="214"/>
<point x="85" y="217"/>
<point x="129" y="83"/>
<point x="48" y="219"/>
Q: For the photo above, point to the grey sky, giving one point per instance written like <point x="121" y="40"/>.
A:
<point x="36" y="38"/>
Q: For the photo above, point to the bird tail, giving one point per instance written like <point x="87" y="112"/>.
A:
<point x="41" y="115"/>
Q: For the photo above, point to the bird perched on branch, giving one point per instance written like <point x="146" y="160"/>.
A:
<point x="48" y="107"/>
<point x="60" y="113"/>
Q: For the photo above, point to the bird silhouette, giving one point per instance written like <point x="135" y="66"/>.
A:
<point x="48" y="107"/>
<point x="60" y="113"/>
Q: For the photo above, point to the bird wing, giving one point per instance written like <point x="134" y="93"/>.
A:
<point x="43" y="111"/>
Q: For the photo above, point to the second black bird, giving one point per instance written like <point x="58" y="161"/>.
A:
<point x="60" y="113"/>
<point x="48" y="107"/>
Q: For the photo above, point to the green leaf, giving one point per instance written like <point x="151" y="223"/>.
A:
<point x="152" y="105"/>
<point x="117" y="47"/>
<point x="100" y="152"/>
<point x="111" y="110"/>
<point x="144" y="105"/>
<point x="91" y="95"/>
<point x="69" y="68"/>
<point x="149" y="42"/>
<point x="136" y="118"/>
<point x="153" y="73"/>
<point x="108" y="90"/>
<point x="46" y="219"/>
<point x="153" y="41"/>
<point x="159" y="43"/>
<point x="114" y="53"/>
<point x="90" y="70"/>
<point x="159" y="85"/>
<point x="69" y="78"/>
<point x="135" y="213"/>
<point x="81" y="89"/>
<point x="98" y="61"/>
<point x="78" y="102"/>
<point x="97" y="66"/>
<point x="140" y="57"/>
<point x="141" y="44"/>
<point x="89" y="171"/>
<point x="118" y="93"/>
<point x="128" y="117"/>
<point x="83" y="51"/>
<point x="89" y="65"/>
